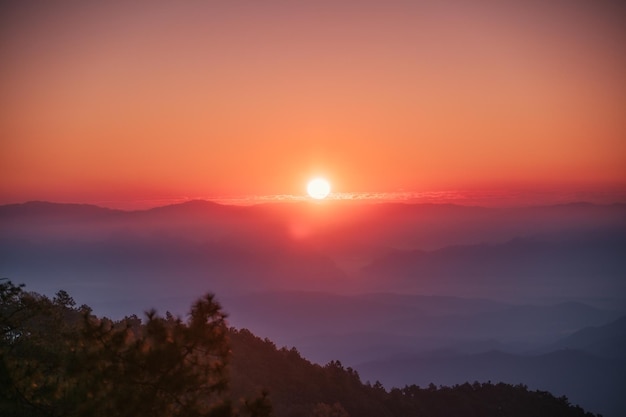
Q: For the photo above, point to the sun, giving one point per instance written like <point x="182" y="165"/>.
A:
<point x="318" y="188"/>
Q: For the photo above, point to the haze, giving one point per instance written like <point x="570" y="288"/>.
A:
<point x="151" y="152"/>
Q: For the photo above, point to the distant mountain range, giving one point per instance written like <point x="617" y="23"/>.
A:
<point x="567" y="251"/>
<point x="589" y="365"/>
<point x="593" y="382"/>
<point x="335" y="224"/>
<point x="608" y="341"/>
<point x="327" y="326"/>
<point x="403" y="293"/>
<point x="516" y="268"/>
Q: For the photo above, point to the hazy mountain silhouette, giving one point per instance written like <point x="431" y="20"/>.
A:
<point x="334" y="224"/>
<point x="521" y="267"/>
<point x="566" y="252"/>
<point x="60" y="359"/>
<point x="605" y="341"/>
<point x="380" y="285"/>
<point x="172" y="266"/>
<point x="356" y="328"/>
<point x="592" y="382"/>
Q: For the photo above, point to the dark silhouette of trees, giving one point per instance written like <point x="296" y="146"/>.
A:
<point x="479" y="400"/>
<point x="326" y="410"/>
<point x="57" y="359"/>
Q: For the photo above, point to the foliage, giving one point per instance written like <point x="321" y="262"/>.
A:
<point x="299" y="388"/>
<point x="57" y="359"/>
<point x="479" y="400"/>
<point x="325" y="410"/>
<point x="296" y="386"/>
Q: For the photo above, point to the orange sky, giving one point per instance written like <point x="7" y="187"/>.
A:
<point x="107" y="101"/>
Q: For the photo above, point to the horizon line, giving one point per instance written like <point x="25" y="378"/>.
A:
<point x="491" y="198"/>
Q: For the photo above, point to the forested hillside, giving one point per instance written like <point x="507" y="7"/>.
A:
<point x="61" y="360"/>
<point x="298" y="388"/>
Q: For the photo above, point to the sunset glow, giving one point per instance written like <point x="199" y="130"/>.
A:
<point x="306" y="196"/>
<point x="162" y="101"/>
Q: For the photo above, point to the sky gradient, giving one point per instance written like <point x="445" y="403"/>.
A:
<point x="106" y="101"/>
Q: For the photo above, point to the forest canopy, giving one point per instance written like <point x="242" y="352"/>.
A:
<point x="59" y="359"/>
